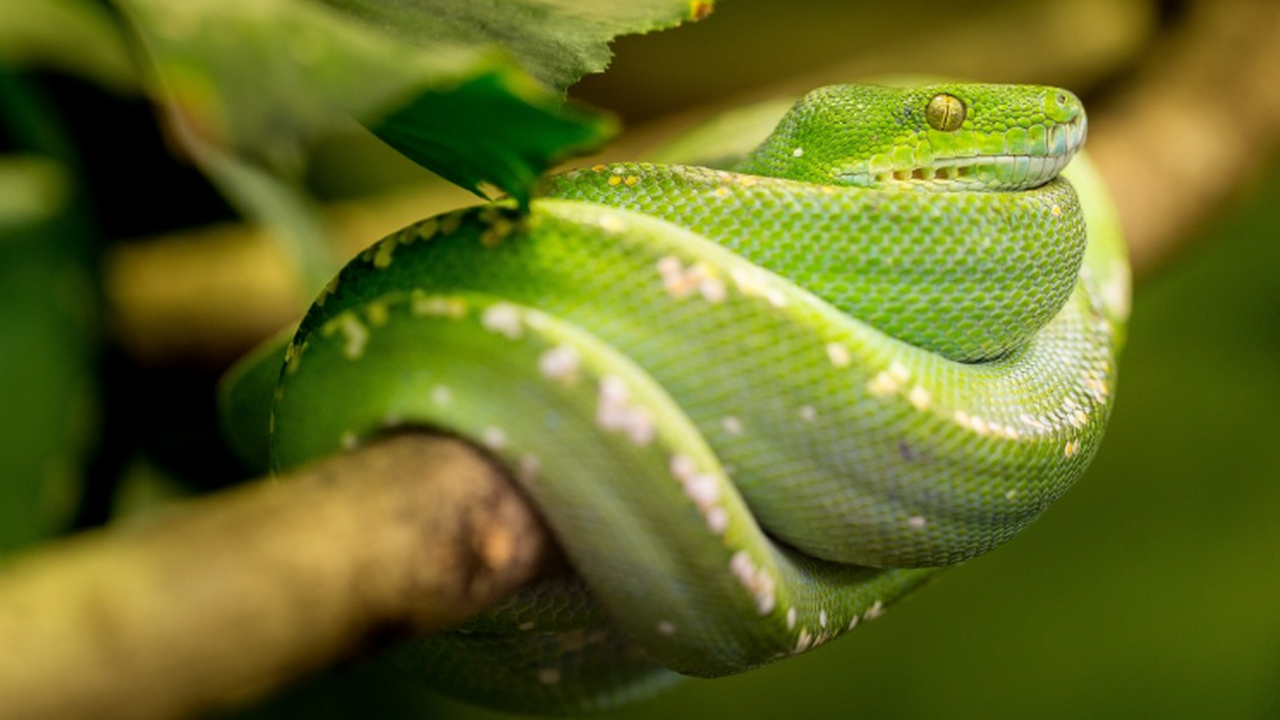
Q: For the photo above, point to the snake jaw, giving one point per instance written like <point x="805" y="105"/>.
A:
<point x="1025" y="160"/>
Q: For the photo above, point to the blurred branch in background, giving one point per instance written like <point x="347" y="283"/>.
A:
<point x="1197" y="122"/>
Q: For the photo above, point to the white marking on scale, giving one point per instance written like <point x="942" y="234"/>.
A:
<point x="438" y="306"/>
<point x="717" y="520"/>
<point x="530" y="465"/>
<point x="882" y="384"/>
<point x="703" y="489"/>
<point x="890" y="380"/>
<point x="503" y="319"/>
<point x="377" y="313"/>
<point x="979" y="425"/>
<point x="683" y="466"/>
<point x="756" y="580"/>
<point x="712" y="289"/>
<point x="615" y="410"/>
<point x="560" y="363"/>
<point x="536" y="319"/>
<point x="674" y="278"/>
<point x="839" y="355"/>
<point x="441" y="395"/>
<point x="611" y="224"/>
<point x="803" y="642"/>
<point x="356" y="333"/>
<point x="494" y="438"/>
<point x="920" y="398"/>
<point x="875" y="611"/>
<point x="382" y="258"/>
<point x="753" y="282"/>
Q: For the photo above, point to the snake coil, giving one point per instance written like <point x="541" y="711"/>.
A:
<point x="756" y="405"/>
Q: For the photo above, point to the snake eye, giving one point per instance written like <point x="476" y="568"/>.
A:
<point x="945" y="113"/>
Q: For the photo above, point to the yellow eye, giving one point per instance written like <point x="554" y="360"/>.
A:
<point x="945" y="113"/>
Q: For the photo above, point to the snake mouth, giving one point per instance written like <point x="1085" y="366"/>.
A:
<point x="1025" y="161"/>
<point x="1013" y="172"/>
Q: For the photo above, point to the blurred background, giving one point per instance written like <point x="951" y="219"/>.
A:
<point x="1152" y="589"/>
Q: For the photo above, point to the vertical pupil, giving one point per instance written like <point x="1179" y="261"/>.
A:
<point x="945" y="113"/>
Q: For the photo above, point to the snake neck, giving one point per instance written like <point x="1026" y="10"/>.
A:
<point x="971" y="276"/>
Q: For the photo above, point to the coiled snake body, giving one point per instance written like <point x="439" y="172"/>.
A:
<point x="756" y="405"/>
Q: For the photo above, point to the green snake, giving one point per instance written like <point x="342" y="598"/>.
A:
<point x="756" y="404"/>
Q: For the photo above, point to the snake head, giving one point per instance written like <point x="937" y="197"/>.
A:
<point x="934" y="137"/>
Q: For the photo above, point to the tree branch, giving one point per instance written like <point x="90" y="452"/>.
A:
<point x="1196" y="123"/>
<point x="233" y="595"/>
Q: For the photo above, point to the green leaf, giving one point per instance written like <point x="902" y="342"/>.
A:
<point x="45" y="358"/>
<point x="443" y="81"/>
<point x="493" y="129"/>
<point x="75" y="36"/>
<point x="555" y="41"/>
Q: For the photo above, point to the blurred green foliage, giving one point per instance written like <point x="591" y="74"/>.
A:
<point x="45" y="354"/>
<point x="47" y="312"/>
<point x="246" y="88"/>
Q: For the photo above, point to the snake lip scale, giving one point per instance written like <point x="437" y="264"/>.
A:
<point x="757" y="403"/>
<point x="1014" y="167"/>
<point x="964" y="173"/>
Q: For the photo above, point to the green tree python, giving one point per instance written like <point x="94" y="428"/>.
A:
<point x="756" y="404"/>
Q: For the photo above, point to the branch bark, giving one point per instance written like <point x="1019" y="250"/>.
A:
<point x="231" y="596"/>
<point x="1195" y="124"/>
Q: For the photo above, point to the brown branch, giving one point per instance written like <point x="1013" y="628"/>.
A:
<point x="230" y="596"/>
<point x="1196" y="123"/>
